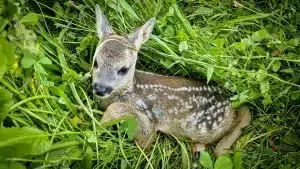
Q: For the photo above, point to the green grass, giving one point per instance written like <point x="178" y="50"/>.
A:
<point x="48" y="115"/>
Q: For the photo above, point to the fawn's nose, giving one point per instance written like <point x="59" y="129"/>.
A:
<point x="102" y="90"/>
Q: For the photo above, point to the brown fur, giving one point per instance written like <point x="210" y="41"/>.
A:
<point x="173" y="105"/>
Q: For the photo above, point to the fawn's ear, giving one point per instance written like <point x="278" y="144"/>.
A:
<point x="142" y="34"/>
<point x="103" y="27"/>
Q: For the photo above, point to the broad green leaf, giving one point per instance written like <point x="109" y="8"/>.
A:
<point x="264" y="86"/>
<point x="241" y="46"/>
<point x="219" y="42"/>
<point x="5" y="99"/>
<point x="85" y="42"/>
<point x="110" y="151"/>
<point x="294" y="42"/>
<point x="203" y="10"/>
<point x="183" y="46"/>
<point x="28" y="59"/>
<point x="169" y="31"/>
<point x="205" y="160"/>
<point x="4" y="109"/>
<point x="260" y="50"/>
<point x="287" y="166"/>
<point x="47" y="83"/>
<point x="3" y="23"/>
<point x="30" y="18"/>
<point x="238" y="160"/>
<point x="223" y="162"/>
<point x="295" y="96"/>
<point x="131" y="126"/>
<point x="243" y="96"/>
<point x="39" y="68"/>
<point x="276" y="65"/>
<point x="123" y="164"/>
<point x="20" y="142"/>
<point x="182" y="36"/>
<point x="5" y="96"/>
<point x="210" y="71"/>
<point x="170" y="12"/>
<point x="92" y="139"/>
<point x="87" y="160"/>
<point x="71" y="75"/>
<point x="11" y="165"/>
<point x="45" y="60"/>
<point x="3" y="68"/>
<point x="259" y="35"/>
<point x="12" y="8"/>
<point x="267" y="100"/>
<point x="73" y="151"/>
<point x="6" y="55"/>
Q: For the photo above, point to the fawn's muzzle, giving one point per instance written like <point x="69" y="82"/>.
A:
<point x="101" y="90"/>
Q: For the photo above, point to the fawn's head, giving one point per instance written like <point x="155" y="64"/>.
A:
<point x="116" y="56"/>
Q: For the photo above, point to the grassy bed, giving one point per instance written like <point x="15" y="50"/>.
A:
<point x="48" y="116"/>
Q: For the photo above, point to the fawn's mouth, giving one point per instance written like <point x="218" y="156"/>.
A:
<point x="97" y="94"/>
<point x="115" y="92"/>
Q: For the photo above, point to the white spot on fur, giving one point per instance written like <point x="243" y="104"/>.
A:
<point x="208" y="88"/>
<point x="215" y="125"/>
<point x="220" y="119"/>
<point x="141" y="104"/>
<point x="203" y="129"/>
<point x="215" y="114"/>
<point x="151" y="97"/>
<point x="140" y="86"/>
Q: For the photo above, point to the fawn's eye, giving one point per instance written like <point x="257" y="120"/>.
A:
<point x="123" y="71"/>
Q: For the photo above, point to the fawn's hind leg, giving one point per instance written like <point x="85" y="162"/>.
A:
<point x="244" y="118"/>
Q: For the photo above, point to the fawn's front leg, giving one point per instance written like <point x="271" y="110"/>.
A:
<point x="146" y="131"/>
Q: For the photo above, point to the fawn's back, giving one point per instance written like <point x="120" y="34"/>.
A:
<point x="182" y="107"/>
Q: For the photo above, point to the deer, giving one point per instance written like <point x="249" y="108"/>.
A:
<point x="184" y="108"/>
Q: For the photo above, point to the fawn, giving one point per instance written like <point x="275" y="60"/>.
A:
<point x="173" y="105"/>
